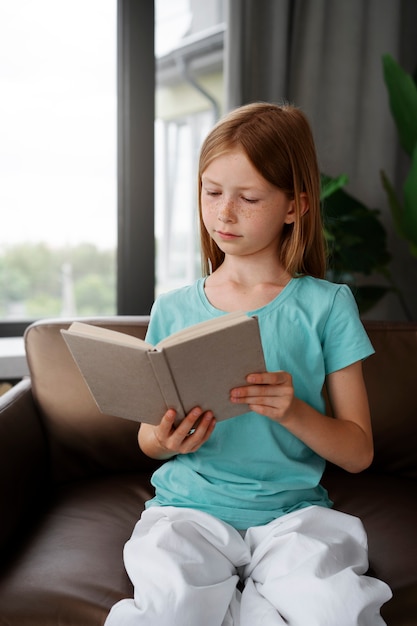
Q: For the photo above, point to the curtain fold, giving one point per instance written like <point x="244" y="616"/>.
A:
<point x="257" y="51"/>
<point x="325" y="56"/>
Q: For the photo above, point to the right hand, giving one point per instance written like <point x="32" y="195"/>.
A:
<point x="166" y="440"/>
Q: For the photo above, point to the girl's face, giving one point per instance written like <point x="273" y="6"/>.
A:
<point x="243" y="212"/>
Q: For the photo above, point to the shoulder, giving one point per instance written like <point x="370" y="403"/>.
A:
<point x="343" y="336"/>
<point x="321" y="287"/>
<point x="328" y="300"/>
<point x="324" y="297"/>
<point x="333" y="308"/>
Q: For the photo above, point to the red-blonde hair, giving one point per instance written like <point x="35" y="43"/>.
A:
<point x="279" y="143"/>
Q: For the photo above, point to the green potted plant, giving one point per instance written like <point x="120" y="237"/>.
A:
<point x="402" y="93"/>
<point x="356" y="240"/>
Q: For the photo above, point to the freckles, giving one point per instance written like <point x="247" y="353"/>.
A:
<point x="252" y="212"/>
<point x="247" y="212"/>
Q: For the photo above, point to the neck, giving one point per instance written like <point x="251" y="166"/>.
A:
<point x="251" y="273"/>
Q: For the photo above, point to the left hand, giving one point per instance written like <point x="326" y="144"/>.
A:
<point x="268" y="393"/>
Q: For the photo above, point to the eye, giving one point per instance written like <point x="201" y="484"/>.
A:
<point x="210" y="192"/>
<point x="251" y="200"/>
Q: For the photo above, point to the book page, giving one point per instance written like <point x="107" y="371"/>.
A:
<point x="105" y="334"/>
<point x="203" y="328"/>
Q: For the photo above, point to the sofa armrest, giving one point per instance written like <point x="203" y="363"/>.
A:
<point x="24" y="477"/>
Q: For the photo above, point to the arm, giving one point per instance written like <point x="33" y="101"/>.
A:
<point x="165" y="440"/>
<point x="345" y="440"/>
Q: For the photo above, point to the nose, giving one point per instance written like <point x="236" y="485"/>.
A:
<point x="226" y="211"/>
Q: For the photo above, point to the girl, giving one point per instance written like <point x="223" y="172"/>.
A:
<point x="240" y="531"/>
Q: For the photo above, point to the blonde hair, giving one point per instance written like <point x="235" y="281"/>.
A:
<point x="279" y="143"/>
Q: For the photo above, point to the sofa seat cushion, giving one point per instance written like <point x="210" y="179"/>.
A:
<point x="387" y="506"/>
<point x="71" y="569"/>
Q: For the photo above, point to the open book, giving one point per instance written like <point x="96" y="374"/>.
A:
<point x="197" y="366"/>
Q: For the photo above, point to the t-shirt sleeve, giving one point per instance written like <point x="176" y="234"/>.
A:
<point x="156" y="331"/>
<point x="345" y="340"/>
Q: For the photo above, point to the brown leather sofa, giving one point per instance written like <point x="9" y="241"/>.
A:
<point x="73" y="483"/>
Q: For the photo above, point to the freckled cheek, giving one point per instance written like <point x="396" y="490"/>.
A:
<point x="210" y="211"/>
<point x="248" y="212"/>
<point x="208" y="216"/>
<point x="213" y="208"/>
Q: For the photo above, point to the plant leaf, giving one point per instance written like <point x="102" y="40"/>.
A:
<point x="409" y="218"/>
<point x="395" y="206"/>
<point x="330" y="185"/>
<point x="402" y="91"/>
<point x="356" y="238"/>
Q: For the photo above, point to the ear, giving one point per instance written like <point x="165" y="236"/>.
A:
<point x="304" y="207"/>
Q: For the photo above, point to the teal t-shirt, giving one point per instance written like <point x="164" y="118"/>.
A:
<point x="252" y="470"/>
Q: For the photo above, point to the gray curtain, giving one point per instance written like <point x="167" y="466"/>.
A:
<point x="325" y="56"/>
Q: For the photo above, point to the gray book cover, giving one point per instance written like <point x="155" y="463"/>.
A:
<point x="198" y="366"/>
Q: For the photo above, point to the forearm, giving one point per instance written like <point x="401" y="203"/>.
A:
<point x="340" y="441"/>
<point x="345" y="440"/>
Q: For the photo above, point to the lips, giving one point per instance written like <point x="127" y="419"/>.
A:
<point x="226" y="236"/>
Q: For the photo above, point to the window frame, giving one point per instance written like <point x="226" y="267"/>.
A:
<point x="136" y="153"/>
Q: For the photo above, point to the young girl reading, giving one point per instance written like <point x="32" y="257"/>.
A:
<point x="240" y="531"/>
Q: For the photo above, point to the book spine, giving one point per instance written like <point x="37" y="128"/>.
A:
<point x="166" y="383"/>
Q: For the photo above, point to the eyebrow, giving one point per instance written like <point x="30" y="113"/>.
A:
<point x="213" y="182"/>
<point x="209" y="180"/>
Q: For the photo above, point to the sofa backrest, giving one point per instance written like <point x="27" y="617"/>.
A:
<point x="82" y="441"/>
<point x="391" y="381"/>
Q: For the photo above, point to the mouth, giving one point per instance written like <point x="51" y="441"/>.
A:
<point x="226" y="236"/>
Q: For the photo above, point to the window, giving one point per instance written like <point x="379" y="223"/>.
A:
<point x="57" y="158"/>
<point x="67" y="123"/>
<point x="189" y="99"/>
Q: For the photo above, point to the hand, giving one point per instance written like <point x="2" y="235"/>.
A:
<point x="268" y="393"/>
<point x="188" y="436"/>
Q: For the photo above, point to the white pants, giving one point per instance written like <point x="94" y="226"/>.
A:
<point x="303" y="569"/>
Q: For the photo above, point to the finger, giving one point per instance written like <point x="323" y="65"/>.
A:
<point x="206" y="424"/>
<point x="269" y="378"/>
<point x="167" y="422"/>
<point x="190" y="422"/>
<point x="197" y="444"/>
<point x="260" y="392"/>
<point x="267" y="383"/>
<point x="199" y="429"/>
<point x="172" y="437"/>
<point x="194" y="425"/>
<point x="196" y="437"/>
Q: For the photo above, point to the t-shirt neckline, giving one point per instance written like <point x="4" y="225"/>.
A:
<point x="277" y="301"/>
